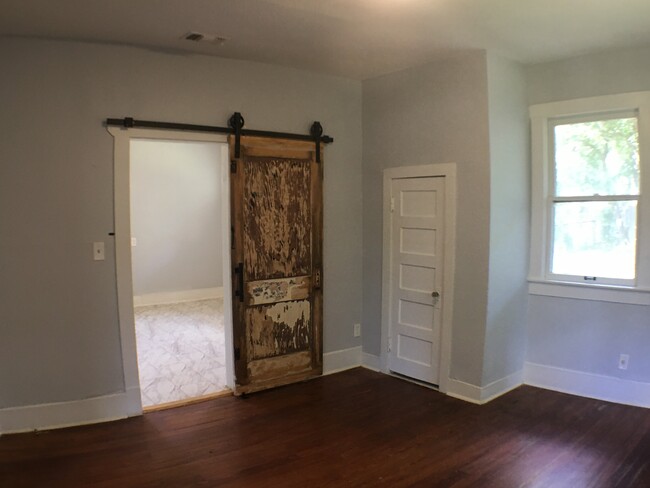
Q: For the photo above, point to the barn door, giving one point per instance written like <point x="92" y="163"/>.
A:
<point x="276" y="191"/>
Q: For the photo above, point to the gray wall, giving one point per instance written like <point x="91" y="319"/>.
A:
<point x="437" y="113"/>
<point x="505" y="341"/>
<point x="58" y="310"/>
<point x="587" y="335"/>
<point x="593" y="75"/>
<point x="176" y="216"/>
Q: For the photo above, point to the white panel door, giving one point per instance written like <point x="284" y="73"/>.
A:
<point x="417" y="239"/>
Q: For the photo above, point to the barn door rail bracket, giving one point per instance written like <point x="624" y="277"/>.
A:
<point x="236" y="127"/>
<point x="316" y="132"/>
<point x="236" y="122"/>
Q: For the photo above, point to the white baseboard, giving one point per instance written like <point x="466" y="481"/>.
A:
<point x="480" y="395"/>
<point x="181" y="296"/>
<point x="67" y="414"/>
<point x="464" y="391"/>
<point x="502" y="386"/>
<point x="336" y="361"/>
<point x="370" y="361"/>
<point x="589" y="385"/>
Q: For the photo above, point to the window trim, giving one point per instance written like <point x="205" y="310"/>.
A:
<point x="542" y="115"/>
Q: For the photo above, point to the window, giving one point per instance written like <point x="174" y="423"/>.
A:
<point x="593" y="205"/>
<point x="590" y="223"/>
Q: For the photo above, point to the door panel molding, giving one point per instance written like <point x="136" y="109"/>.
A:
<point x="448" y="172"/>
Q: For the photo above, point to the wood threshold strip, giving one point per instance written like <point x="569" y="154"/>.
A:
<point x="188" y="401"/>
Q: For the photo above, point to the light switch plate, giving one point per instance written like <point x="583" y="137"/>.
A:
<point x="98" y="251"/>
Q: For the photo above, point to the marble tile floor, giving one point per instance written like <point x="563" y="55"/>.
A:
<point x="181" y="350"/>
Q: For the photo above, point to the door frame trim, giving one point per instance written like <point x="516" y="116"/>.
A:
<point x="122" y="229"/>
<point x="443" y="170"/>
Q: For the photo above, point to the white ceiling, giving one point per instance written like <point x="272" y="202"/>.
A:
<point x="352" y="38"/>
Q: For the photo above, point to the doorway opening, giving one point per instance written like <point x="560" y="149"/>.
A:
<point x="176" y="262"/>
<point x="172" y="246"/>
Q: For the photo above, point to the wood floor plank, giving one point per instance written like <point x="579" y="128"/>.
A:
<point x="352" y="429"/>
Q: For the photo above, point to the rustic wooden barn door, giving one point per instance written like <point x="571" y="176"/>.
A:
<point x="276" y="190"/>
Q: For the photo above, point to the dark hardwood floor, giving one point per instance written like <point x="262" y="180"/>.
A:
<point x="353" y="429"/>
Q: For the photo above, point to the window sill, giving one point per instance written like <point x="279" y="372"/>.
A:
<point x="579" y="291"/>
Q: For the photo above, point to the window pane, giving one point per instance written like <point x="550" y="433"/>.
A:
<point x="595" y="239"/>
<point x="597" y="158"/>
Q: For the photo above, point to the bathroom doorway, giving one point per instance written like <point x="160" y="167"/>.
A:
<point x="177" y="270"/>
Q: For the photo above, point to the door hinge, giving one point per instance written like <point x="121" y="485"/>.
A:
<point x="233" y="165"/>
<point x="392" y="204"/>
<point x="232" y="237"/>
<point x="237" y="354"/>
<point x="390" y="345"/>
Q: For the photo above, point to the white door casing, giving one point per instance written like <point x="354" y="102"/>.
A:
<point x="417" y="228"/>
<point x="418" y="267"/>
<point x="122" y="208"/>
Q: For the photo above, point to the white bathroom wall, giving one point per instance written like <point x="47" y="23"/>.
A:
<point x="175" y="216"/>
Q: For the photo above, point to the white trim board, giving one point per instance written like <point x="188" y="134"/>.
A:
<point x="600" y="387"/>
<point x="480" y="395"/>
<point x="336" y="361"/>
<point x="615" y="294"/>
<point x="371" y="362"/>
<point x="168" y="297"/>
<point x="68" y="414"/>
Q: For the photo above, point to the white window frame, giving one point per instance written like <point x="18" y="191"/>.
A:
<point x="541" y="280"/>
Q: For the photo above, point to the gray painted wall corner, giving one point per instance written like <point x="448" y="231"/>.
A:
<point x="436" y="113"/>
<point x="505" y="344"/>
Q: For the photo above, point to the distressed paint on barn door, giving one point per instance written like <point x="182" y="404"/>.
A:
<point x="276" y="191"/>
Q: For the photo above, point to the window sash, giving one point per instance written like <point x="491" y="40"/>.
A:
<point x="550" y="212"/>
<point x="579" y="119"/>
<point x="596" y="198"/>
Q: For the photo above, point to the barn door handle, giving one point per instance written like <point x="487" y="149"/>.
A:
<point x="239" y="273"/>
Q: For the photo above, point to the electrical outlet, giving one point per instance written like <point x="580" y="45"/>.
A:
<point x="623" y="361"/>
<point x="357" y="330"/>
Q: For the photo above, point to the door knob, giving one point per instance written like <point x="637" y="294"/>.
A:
<point x="435" y="294"/>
